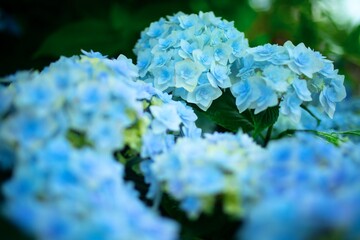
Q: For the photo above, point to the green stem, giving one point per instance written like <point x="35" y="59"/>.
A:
<point x="285" y="133"/>
<point x="268" y="135"/>
<point x="134" y="161"/>
<point x="318" y="121"/>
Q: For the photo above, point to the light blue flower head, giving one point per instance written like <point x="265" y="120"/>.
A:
<point x="191" y="55"/>
<point x="169" y="121"/>
<point x="196" y="171"/>
<point x="307" y="185"/>
<point x="303" y="60"/>
<point x="63" y="188"/>
<point x="289" y="76"/>
<point x="59" y="131"/>
<point x="308" y="215"/>
<point x="89" y="99"/>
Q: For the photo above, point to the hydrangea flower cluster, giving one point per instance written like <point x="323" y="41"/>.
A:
<point x="168" y="119"/>
<point x="306" y="161"/>
<point x="93" y="100"/>
<point x="88" y="99"/>
<point x="190" y="55"/>
<point x="310" y="215"/>
<point x="95" y="107"/>
<point x="197" y="171"/>
<point x="62" y="192"/>
<point x="288" y="76"/>
<point x="308" y="187"/>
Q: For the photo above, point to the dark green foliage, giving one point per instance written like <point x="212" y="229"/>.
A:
<point x="10" y="231"/>
<point x="224" y="112"/>
<point x="213" y="226"/>
<point x="89" y="34"/>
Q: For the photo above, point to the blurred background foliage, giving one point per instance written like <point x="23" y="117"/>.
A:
<point x="35" y="32"/>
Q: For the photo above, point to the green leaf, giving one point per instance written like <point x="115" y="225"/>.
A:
<point x="333" y="138"/>
<point x="89" y="34"/>
<point x="336" y="138"/>
<point x="265" y="119"/>
<point x="119" y="17"/>
<point x="224" y="112"/>
<point x="245" y="17"/>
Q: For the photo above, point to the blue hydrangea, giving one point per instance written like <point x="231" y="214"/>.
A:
<point x="277" y="77"/>
<point x="196" y="171"/>
<point x="97" y="97"/>
<point x="291" y="75"/>
<point x="187" y="74"/>
<point x="68" y="193"/>
<point x="308" y="187"/>
<point x="165" y="117"/>
<point x="290" y="106"/>
<point x="203" y="95"/>
<point x="305" y="161"/>
<point x="190" y="55"/>
<point x="303" y="60"/>
<point x="306" y="216"/>
<point x="60" y="129"/>
<point x="90" y="95"/>
<point x="7" y="157"/>
<point x="6" y="99"/>
<point x="94" y="102"/>
<point x="169" y="120"/>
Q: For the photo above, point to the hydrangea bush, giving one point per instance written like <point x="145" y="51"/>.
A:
<point x="205" y="137"/>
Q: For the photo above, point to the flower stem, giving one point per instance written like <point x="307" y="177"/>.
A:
<point x="268" y="135"/>
<point x="318" y="121"/>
